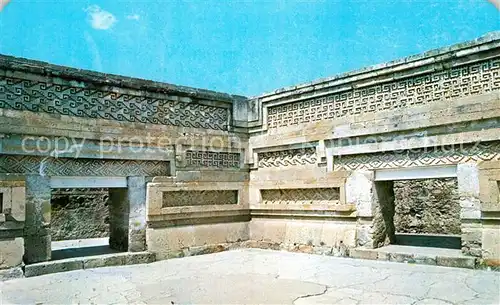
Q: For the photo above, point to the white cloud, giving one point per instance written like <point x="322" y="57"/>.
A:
<point x="100" y="19"/>
<point x="134" y="17"/>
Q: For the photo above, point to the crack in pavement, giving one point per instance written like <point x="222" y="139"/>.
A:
<point x="311" y="295"/>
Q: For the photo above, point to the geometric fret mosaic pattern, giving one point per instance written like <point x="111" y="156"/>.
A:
<point x="195" y="198"/>
<point x="473" y="79"/>
<point x="291" y="157"/>
<point x="212" y="159"/>
<point x="301" y="196"/>
<point x="426" y="156"/>
<point x="81" y="167"/>
<point x="36" y="96"/>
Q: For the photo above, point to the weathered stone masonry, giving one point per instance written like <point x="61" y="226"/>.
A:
<point x="314" y="168"/>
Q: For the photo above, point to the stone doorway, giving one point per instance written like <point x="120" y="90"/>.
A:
<point x="80" y="222"/>
<point x="78" y="207"/>
<point x="415" y="209"/>
<point x="420" y="212"/>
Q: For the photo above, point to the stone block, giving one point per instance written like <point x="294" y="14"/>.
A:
<point x="363" y="253"/>
<point x="139" y="258"/>
<point x="37" y="248"/>
<point x="52" y="267"/>
<point x="468" y="180"/>
<point x="103" y="261"/>
<point x="261" y="244"/>
<point x="358" y="191"/>
<point x="136" y="240"/>
<point x="164" y="241"/>
<point x="401" y="257"/>
<point x="11" y="273"/>
<point x="18" y="206"/>
<point x="200" y="250"/>
<point x="490" y="242"/>
<point x="425" y="260"/>
<point x="11" y="252"/>
<point x="383" y="256"/>
<point x="364" y="235"/>
<point x="470" y="208"/>
<point x="459" y="262"/>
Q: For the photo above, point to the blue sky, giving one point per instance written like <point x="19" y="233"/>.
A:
<point x="240" y="47"/>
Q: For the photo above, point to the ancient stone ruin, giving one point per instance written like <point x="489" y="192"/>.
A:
<point x="403" y="153"/>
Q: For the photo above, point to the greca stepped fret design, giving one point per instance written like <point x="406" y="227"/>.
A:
<point x="454" y="83"/>
<point x="35" y="96"/>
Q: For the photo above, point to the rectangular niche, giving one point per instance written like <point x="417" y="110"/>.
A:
<point x="197" y="198"/>
<point x="301" y="196"/>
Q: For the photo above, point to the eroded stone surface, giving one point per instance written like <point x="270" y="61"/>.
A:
<point x="252" y="276"/>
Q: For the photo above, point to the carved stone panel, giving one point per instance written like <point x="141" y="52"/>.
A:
<point x="81" y="167"/>
<point x="474" y="79"/>
<point x="212" y="159"/>
<point x="441" y="155"/>
<point x="37" y="96"/>
<point x="301" y="196"/>
<point x="194" y="198"/>
<point x="301" y="156"/>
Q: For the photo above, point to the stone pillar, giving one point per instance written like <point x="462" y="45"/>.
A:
<point x="128" y="216"/>
<point x="136" y="194"/>
<point x="118" y="219"/>
<point x="37" y="225"/>
<point x="359" y="191"/>
<point x="384" y="230"/>
<point x="470" y="208"/>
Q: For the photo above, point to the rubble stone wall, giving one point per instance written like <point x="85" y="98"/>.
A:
<point x="79" y="213"/>
<point x="427" y="206"/>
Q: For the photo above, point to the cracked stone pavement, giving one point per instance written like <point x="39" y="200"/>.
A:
<point x="253" y="276"/>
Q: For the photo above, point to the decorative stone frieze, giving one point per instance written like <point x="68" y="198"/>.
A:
<point x="212" y="159"/>
<point x="301" y="196"/>
<point x="441" y="155"/>
<point x="195" y="197"/>
<point x="81" y="167"/>
<point x="37" y="96"/>
<point x="474" y="79"/>
<point x="291" y="157"/>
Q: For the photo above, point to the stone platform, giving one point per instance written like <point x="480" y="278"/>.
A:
<point x="88" y="262"/>
<point x="255" y="276"/>
<point x="417" y="255"/>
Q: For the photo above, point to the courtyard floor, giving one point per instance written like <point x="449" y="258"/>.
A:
<point x="253" y="276"/>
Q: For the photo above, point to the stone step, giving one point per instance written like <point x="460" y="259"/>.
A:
<point x="429" y="240"/>
<point x="88" y="262"/>
<point x="416" y="255"/>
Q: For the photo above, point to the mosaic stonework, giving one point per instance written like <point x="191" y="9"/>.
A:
<point x="81" y="167"/>
<point x="194" y="198"/>
<point x="444" y="155"/>
<point x="35" y="96"/>
<point x="454" y="83"/>
<point x="301" y="196"/>
<point x="212" y="159"/>
<point x="291" y="157"/>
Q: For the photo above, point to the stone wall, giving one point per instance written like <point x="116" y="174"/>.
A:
<point x="427" y="206"/>
<point x="79" y="213"/>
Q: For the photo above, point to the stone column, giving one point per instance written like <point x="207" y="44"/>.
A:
<point x="359" y="191"/>
<point x="118" y="219"/>
<point x="384" y="229"/>
<point x="136" y="194"/>
<point x="37" y="225"/>
<point x="470" y="208"/>
<point x="128" y="216"/>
